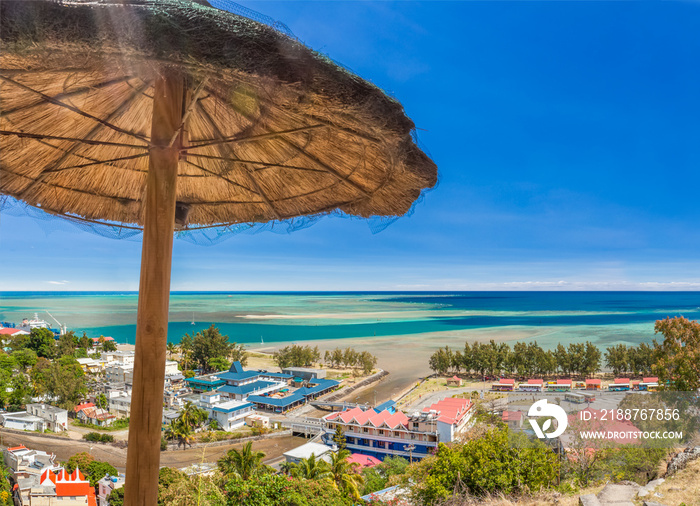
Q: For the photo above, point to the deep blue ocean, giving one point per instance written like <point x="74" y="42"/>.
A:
<point x="277" y="317"/>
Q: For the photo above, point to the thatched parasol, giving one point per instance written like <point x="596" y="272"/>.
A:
<point x="169" y="114"/>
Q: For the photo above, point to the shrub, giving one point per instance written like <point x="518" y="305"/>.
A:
<point x="98" y="438"/>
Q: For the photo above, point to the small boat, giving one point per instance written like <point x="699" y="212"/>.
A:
<point x="192" y="319"/>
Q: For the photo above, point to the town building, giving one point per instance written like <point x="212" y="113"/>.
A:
<point x="513" y="419"/>
<point x="383" y="433"/>
<point x="64" y="489"/>
<point x="96" y="416"/>
<point x="205" y="383"/>
<point x="259" y="421"/>
<point x="286" y="400"/>
<point x="120" y="406"/>
<point x="320" y="451"/>
<point x="91" y="365"/>
<point x="123" y="372"/>
<point x="454" y="381"/>
<point x="26" y="467"/>
<point x="229" y="414"/>
<point x="106" y="486"/>
<point x="241" y="383"/>
<point x="305" y="373"/>
<point x="56" y="418"/>
<point x="21" y="420"/>
<point x="593" y="384"/>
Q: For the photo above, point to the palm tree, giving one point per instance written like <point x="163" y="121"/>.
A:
<point x="243" y="463"/>
<point x="311" y="469"/>
<point x="343" y="474"/>
<point x="191" y="415"/>
<point x="172" y="348"/>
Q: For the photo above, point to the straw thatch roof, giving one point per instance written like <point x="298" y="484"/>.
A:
<point x="274" y="130"/>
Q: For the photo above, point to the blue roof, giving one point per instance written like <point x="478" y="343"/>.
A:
<point x="229" y="410"/>
<point x="270" y="401"/>
<point x="388" y="405"/>
<point x="318" y="385"/>
<point x="238" y="376"/>
<point x="245" y="389"/>
<point x="205" y="381"/>
<point x="276" y="375"/>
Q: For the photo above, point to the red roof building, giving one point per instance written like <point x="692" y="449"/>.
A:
<point x="362" y="461"/>
<point x="7" y="331"/>
<point x="69" y="485"/>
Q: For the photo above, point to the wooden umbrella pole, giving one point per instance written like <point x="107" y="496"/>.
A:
<point x="143" y="458"/>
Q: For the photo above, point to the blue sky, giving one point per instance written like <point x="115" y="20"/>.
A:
<point x="566" y="136"/>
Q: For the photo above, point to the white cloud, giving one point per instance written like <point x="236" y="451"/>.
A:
<point x="64" y="282"/>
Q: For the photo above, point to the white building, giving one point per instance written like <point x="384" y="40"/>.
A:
<point x="105" y="487"/>
<point x="320" y="451"/>
<point x="230" y="414"/>
<point x="21" y="420"/>
<point x="120" y="406"/>
<point x="123" y="372"/>
<point x="26" y="467"/>
<point x="56" y="418"/>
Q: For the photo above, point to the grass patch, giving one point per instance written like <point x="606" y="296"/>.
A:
<point x="118" y="424"/>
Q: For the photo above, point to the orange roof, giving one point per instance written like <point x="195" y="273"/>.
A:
<point x="507" y="381"/>
<point x="9" y="331"/>
<point x="651" y="379"/>
<point x="15" y="448"/>
<point x="593" y="381"/>
<point x="511" y="416"/>
<point x="535" y="382"/>
<point x="70" y="485"/>
<point x="563" y="382"/>
<point x="621" y="381"/>
<point x="450" y="409"/>
<point x="82" y="406"/>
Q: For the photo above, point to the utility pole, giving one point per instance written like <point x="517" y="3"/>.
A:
<point x="409" y="449"/>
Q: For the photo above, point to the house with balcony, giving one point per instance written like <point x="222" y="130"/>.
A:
<point x="415" y="436"/>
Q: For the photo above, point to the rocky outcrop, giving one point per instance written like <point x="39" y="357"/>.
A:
<point x="680" y="460"/>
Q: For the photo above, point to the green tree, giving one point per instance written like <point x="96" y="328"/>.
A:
<point x="677" y="358"/>
<point x="209" y="344"/>
<point x="101" y="401"/>
<point x="80" y="460"/>
<point x="311" y="468"/>
<point x="562" y="358"/>
<point x="66" y="344"/>
<point x="21" y="390"/>
<point x="85" y="342"/>
<point x="339" y="438"/>
<point x="219" y="364"/>
<point x="25" y="358"/>
<point x="41" y="340"/>
<point x="616" y="357"/>
<point x="65" y="379"/>
<point x="244" y="463"/>
<point x="592" y="357"/>
<point x="97" y="470"/>
<point x="441" y="360"/>
<point x="109" y="346"/>
<point x="344" y="474"/>
<point x="496" y="463"/>
<point x="171" y="348"/>
<point x="237" y="353"/>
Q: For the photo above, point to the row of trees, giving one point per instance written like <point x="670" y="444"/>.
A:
<point x="296" y="356"/>
<point x="306" y="356"/>
<point x="530" y="359"/>
<point x="350" y="358"/>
